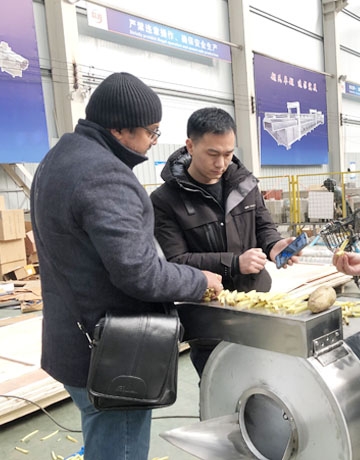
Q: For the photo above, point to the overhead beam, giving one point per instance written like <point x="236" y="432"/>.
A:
<point x="20" y="175"/>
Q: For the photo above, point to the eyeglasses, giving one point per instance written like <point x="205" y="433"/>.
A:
<point x="155" y="134"/>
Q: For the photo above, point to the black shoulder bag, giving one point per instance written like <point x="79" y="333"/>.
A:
<point x="134" y="358"/>
<point x="134" y="361"/>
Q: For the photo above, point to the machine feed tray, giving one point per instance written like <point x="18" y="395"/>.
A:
<point x="293" y="334"/>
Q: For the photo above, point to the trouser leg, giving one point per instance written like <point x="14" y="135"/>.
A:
<point x="200" y="352"/>
<point x="115" y="435"/>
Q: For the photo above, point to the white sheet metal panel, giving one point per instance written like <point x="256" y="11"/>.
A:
<point x="292" y="33"/>
<point x="306" y="14"/>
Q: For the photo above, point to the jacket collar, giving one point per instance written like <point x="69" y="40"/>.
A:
<point x="103" y="137"/>
<point x="179" y="161"/>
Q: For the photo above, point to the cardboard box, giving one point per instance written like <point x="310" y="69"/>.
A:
<point x="2" y="203"/>
<point x="33" y="305"/>
<point x="8" y="266"/>
<point x="20" y="273"/>
<point x="12" y="250"/>
<point x="30" y="243"/>
<point x="28" y="226"/>
<point x="33" y="258"/>
<point x="12" y="224"/>
<point x="272" y="194"/>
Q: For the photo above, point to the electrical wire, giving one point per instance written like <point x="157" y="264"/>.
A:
<point x="80" y="431"/>
<point x="43" y="410"/>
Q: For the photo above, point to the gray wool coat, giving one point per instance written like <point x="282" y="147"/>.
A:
<point x="93" y="224"/>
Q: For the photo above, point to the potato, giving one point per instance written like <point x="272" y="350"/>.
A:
<point x="321" y="299"/>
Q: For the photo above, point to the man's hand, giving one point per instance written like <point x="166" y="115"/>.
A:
<point x="347" y="262"/>
<point x="252" y="261"/>
<point x="279" y="246"/>
<point x="214" y="282"/>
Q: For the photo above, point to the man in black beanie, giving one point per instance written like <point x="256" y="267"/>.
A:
<point x="93" y="224"/>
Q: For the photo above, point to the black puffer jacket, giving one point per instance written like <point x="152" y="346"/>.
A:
<point x="193" y="228"/>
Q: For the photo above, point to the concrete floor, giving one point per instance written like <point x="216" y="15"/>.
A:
<point x="66" y="414"/>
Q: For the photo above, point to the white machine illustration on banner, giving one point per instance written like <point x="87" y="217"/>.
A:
<point x="11" y="62"/>
<point x="289" y="127"/>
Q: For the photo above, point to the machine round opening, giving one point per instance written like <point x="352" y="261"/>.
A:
<point x="267" y="425"/>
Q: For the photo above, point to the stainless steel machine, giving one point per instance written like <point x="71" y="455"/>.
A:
<point x="277" y="387"/>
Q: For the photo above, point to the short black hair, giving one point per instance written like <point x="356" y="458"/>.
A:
<point x="209" y="120"/>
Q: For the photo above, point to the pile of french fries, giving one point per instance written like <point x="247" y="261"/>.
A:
<point x="272" y="302"/>
<point x="349" y="310"/>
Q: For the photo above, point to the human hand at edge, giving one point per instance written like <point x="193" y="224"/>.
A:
<point x="213" y="282"/>
<point x="347" y="262"/>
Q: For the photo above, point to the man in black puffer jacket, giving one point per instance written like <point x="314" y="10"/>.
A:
<point x="210" y="214"/>
<point x="94" y="231"/>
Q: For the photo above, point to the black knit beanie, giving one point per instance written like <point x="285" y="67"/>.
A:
<point x="123" y="101"/>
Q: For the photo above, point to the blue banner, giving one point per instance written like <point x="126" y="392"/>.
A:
<point x="23" y="129"/>
<point x="352" y="88"/>
<point x="292" y="115"/>
<point x="133" y="26"/>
